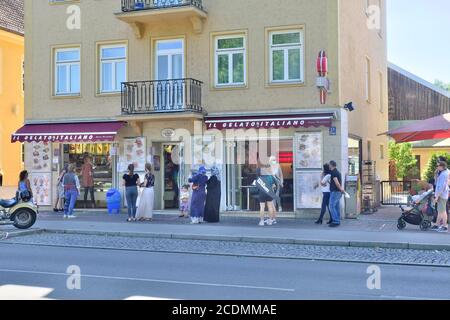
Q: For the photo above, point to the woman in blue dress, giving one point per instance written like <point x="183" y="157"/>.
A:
<point x="198" y="200"/>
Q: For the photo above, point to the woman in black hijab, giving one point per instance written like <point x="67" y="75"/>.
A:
<point x="212" y="208"/>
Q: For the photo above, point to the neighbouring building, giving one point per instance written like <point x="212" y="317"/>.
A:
<point x="178" y="83"/>
<point x="11" y="89"/>
<point x="412" y="99"/>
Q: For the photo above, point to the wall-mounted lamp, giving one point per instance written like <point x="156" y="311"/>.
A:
<point x="349" y="107"/>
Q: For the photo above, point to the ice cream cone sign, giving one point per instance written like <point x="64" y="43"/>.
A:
<point x="322" y="81"/>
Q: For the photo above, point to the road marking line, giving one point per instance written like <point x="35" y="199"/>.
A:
<point x="206" y="284"/>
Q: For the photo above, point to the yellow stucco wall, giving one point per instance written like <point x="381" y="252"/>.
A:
<point x="425" y="156"/>
<point x="337" y="26"/>
<point x="358" y="42"/>
<point x="48" y="25"/>
<point x="11" y="105"/>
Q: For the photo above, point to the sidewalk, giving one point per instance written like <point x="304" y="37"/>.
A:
<point x="378" y="230"/>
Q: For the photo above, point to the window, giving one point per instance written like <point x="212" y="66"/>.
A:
<point x="169" y="63"/>
<point x="286" y="56"/>
<point x="381" y="151"/>
<point x="380" y="30"/>
<point x="381" y="91"/>
<point x="366" y="6"/>
<point x="230" y="61"/>
<point x="67" y="72"/>
<point x="369" y="150"/>
<point x="113" y="67"/>
<point x="367" y="76"/>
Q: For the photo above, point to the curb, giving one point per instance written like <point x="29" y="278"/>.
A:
<point x="248" y="239"/>
<point x="16" y="234"/>
<point x="242" y="255"/>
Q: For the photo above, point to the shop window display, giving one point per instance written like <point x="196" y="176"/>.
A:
<point x="102" y="167"/>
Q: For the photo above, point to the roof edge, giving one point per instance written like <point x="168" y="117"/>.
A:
<point x="418" y="79"/>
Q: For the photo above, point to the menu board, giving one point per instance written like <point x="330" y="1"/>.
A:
<point x="40" y="184"/>
<point x="309" y="150"/>
<point x="134" y="149"/>
<point x="308" y="190"/>
<point x="39" y="159"/>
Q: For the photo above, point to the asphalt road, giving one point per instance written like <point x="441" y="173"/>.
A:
<point x="41" y="272"/>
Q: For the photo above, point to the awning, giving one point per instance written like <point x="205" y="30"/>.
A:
<point x="68" y="132"/>
<point x="297" y="120"/>
<point x="429" y="129"/>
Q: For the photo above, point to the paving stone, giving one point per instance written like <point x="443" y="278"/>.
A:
<point x="292" y="251"/>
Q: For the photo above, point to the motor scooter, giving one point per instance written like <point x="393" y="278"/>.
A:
<point x="21" y="211"/>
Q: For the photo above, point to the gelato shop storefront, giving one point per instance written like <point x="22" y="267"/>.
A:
<point x="294" y="145"/>
<point x="48" y="147"/>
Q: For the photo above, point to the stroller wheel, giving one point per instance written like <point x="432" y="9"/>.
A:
<point x="401" y="224"/>
<point x="425" y="225"/>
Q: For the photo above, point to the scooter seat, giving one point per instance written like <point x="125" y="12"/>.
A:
<point x="8" y="203"/>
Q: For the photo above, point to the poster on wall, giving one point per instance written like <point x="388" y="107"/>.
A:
<point x="308" y="190"/>
<point x="309" y="150"/>
<point x="40" y="184"/>
<point x="39" y="157"/>
<point x="135" y="152"/>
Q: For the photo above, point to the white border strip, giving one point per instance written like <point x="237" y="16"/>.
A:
<point x="268" y="120"/>
<point x="63" y="134"/>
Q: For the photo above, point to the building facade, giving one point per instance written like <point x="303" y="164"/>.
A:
<point x="412" y="99"/>
<point x="220" y="83"/>
<point x="11" y="89"/>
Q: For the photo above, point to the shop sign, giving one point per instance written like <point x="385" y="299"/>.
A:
<point x="168" y="133"/>
<point x="333" y="131"/>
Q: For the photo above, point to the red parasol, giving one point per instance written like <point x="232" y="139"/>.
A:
<point x="430" y="129"/>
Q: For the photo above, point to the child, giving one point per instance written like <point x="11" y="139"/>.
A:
<point x="184" y="201"/>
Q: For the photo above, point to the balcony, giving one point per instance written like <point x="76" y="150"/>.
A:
<point x="140" y="13"/>
<point x="162" y="96"/>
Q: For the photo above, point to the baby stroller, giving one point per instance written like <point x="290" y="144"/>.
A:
<point x="420" y="213"/>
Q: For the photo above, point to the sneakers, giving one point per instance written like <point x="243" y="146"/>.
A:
<point x="195" y="221"/>
<point x="442" y="229"/>
<point x="71" y="217"/>
<point x="65" y="216"/>
<point x="268" y="222"/>
<point x="435" y="228"/>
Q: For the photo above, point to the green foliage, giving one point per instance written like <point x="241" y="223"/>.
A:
<point x="404" y="160"/>
<point x="432" y="165"/>
<point x="442" y="84"/>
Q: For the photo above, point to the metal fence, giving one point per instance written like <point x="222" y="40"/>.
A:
<point x="141" y="97"/>
<point x="135" y="5"/>
<point x="395" y="192"/>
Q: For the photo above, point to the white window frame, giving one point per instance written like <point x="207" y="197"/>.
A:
<point x="171" y="53"/>
<point x="230" y="53"/>
<point x="368" y="84"/>
<point x="114" y="62"/>
<point x="381" y="92"/>
<point x="68" y="65"/>
<point x="286" y="48"/>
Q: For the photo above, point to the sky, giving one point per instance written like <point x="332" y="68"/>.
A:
<point x="419" y="37"/>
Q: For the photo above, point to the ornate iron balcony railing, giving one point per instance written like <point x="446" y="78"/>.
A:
<point x="136" y="5"/>
<point x="173" y="95"/>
